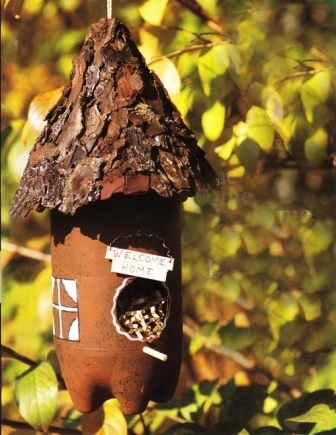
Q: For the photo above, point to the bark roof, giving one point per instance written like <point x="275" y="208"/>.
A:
<point x="114" y="130"/>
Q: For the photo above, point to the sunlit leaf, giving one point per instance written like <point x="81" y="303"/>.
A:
<point x="316" y="239"/>
<point x="169" y="76"/>
<point x="314" y="91"/>
<point x="272" y="103"/>
<point x="186" y="99"/>
<point x="195" y="345"/>
<point x="224" y="151"/>
<point x="270" y="404"/>
<point x="253" y="241"/>
<point x="36" y="394"/>
<point x="106" y="420"/>
<point x="280" y="311"/>
<point x="187" y="411"/>
<point x="230" y="287"/>
<point x="191" y="206"/>
<point x="311" y="305"/>
<point x="39" y="108"/>
<point x="213" y="121"/>
<point x="152" y="11"/>
<point x="260" y="128"/>
<point x="211" y="65"/>
<point x="149" y="44"/>
<point x="317" y="414"/>
<point x="17" y="160"/>
<point x="231" y="241"/>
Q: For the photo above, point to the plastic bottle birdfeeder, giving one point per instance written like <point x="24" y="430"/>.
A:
<point x="112" y="164"/>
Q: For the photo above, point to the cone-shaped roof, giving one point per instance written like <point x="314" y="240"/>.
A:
<point x="114" y="130"/>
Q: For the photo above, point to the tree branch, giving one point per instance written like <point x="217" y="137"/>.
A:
<point x="10" y="353"/>
<point x="26" y="252"/>
<point x="302" y="73"/>
<point x="186" y="50"/>
<point x="205" y="16"/>
<point x="222" y="350"/>
<point x="219" y="349"/>
<point x="51" y="429"/>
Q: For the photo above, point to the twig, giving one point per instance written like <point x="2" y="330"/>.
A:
<point x="10" y="353"/>
<point x="196" y="35"/>
<point x="51" y="429"/>
<point x="187" y="49"/>
<point x="26" y="252"/>
<point x="302" y="73"/>
<point x="219" y="349"/>
<point x="205" y="16"/>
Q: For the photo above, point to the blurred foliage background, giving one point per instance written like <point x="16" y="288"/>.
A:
<point x="256" y="82"/>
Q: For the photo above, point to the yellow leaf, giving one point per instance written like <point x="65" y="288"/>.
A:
<point x="107" y="420"/>
<point x="191" y="206"/>
<point x="260" y="128"/>
<point x="169" y="76"/>
<point x="39" y="108"/>
<point x="213" y="121"/>
<point x="152" y="11"/>
<point x="224" y="151"/>
<point x="212" y="64"/>
<point x="149" y="44"/>
<point x="314" y="91"/>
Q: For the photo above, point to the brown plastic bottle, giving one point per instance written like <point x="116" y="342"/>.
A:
<point x="98" y="361"/>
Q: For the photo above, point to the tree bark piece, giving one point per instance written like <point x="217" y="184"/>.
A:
<point x="114" y="130"/>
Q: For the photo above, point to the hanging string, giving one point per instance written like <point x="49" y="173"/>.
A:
<point x="109" y="8"/>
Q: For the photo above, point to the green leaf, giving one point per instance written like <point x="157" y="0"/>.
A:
<point x="236" y="338"/>
<point x="36" y="394"/>
<point x="106" y="420"/>
<point x="213" y="121"/>
<point x="272" y="103"/>
<point x="224" y="151"/>
<point x="260" y="128"/>
<point x="302" y="405"/>
<point x="316" y="147"/>
<point x="311" y="305"/>
<point x="169" y="76"/>
<point x="317" y="414"/>
<point x="280" y="311"/>
<point x="152" y="11"/>
<point x="195" y="345"/>
<point x="316" y="239"/>
<point x="248" y="153"/>
<point x="230" y="287"/>
<point x="241" y="405"/>
<point x="314" y="91"/>
<point x="211" y="65"/>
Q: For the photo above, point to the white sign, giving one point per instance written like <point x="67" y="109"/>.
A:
<point x="140" y="264"/>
